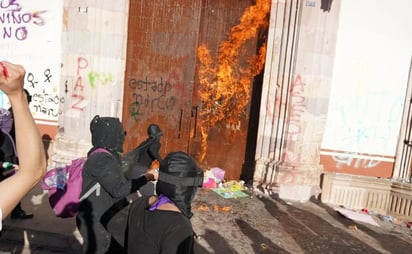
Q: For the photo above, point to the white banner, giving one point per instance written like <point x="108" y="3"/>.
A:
<point x="30" y="35"/>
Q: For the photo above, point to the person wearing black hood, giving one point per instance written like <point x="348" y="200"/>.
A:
<point x="105" y="169"/>
<point x="160" y="223"/>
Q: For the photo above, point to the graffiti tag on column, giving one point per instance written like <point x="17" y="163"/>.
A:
<point x="78" y="88"/>
<point x="297" y="108"/>
<point x="150" y="95"/>
<point x="94" y="79"/>
<point x="43" y="102"/>
<point x="14" y="21"/>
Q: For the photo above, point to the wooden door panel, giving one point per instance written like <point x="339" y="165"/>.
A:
<point x="160" y="65"/>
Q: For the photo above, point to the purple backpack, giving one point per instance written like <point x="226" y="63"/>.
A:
<point x="64" y="185"/>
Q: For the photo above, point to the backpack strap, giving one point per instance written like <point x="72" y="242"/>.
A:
<point x="96" y="187"/>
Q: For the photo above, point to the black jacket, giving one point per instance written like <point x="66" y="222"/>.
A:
<point x="105" y="169"/>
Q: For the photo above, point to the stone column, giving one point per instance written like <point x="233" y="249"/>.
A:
<point x="296" y="87"/>
<point x="92" y="80"/>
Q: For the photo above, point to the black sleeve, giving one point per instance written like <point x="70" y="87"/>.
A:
<point x="106" y="169"/>
<point x="154" y="151"/>
<point x="138" y="183"/>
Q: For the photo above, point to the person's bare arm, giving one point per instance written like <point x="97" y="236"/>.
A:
<point x="32" y="160"/>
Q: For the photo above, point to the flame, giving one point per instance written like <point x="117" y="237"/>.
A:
<point x="224" y="85"/>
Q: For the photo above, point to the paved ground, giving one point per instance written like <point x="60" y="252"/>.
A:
<point x="252" y="224"/>
<point x="270" y="225"/>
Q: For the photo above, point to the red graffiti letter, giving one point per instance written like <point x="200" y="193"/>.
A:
<point x="79" y="84"/>
<point x="82" y="63"/>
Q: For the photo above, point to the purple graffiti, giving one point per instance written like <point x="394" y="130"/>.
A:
<point x="14" y="20"/>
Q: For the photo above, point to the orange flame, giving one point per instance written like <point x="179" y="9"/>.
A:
<point x="225" y="86"/>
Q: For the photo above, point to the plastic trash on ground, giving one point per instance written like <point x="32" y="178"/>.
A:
<point x="213" y="177"/>
<point x="231" y="189"/>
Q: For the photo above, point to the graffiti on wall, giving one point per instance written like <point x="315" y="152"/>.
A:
<point x="355" y="160"/>
<point x="361" y="134"/>
<point x="43" y="89"/>
<point x="43" y="101"/>
<point x="296" y="109"/>
<point x="155" y="94"/>
<point x="86" y="77"/>
<point x="77" y="93"/>
<point x="292" y="154"/>
<point x="30" y="35"/>
<point x="15" y="21"/>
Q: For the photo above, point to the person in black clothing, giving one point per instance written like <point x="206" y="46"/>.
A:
<point x="105" y="169"/>
<point x="8" y="154"/>
<point x="160" y="224"/>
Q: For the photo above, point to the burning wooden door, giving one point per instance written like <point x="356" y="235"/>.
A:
<point x="230" y="55"/>
<point x="190" y="68"/>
